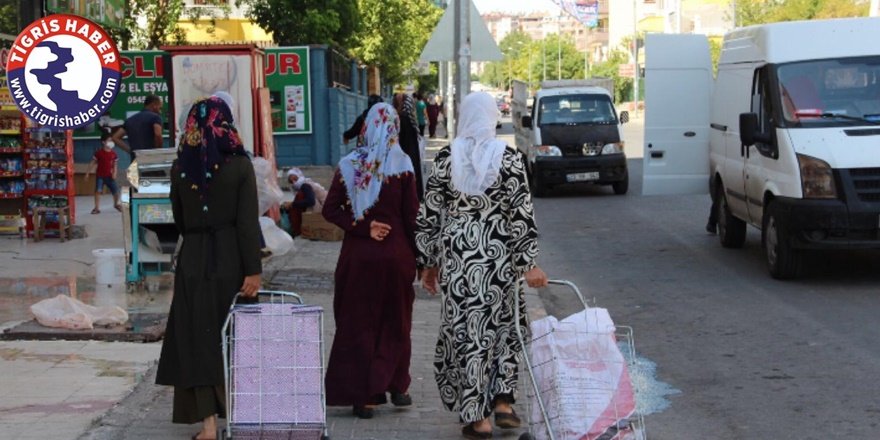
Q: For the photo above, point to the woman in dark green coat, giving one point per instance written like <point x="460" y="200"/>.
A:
<point x="214" y="199"/>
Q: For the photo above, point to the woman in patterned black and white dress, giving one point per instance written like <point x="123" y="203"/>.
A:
<point x="476" y="235"/>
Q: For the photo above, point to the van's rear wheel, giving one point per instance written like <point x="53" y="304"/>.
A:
<point x="621" y="187"/>
<point x="731" y="230"/>
<point x="783" y="261"/>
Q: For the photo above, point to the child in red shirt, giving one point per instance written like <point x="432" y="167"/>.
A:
<point x="105" y="158"/>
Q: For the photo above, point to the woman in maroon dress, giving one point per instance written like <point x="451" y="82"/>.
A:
<point x="373" y="198"/>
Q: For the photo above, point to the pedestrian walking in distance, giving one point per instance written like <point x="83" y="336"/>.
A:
<point x="409" y="135"/>
<point x="104" y="161"/>
<point x="214" y="201"/>
<point x="373" y="199"/>
<point x="144" y="128"/>
<point x="476" y="237"/>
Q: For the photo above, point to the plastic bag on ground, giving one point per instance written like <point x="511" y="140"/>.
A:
<point x="277" y="241"/>
<point x="268" y="191"/>
<point x="66" y="312"/>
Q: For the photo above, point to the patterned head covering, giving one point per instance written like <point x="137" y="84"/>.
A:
<point x="209" y="139"/>
<point x="377" y="157"/>
<point x="476" y="153"/>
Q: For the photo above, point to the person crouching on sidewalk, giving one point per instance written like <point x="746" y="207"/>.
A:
<point x="105" y="159"/>
<point x="309" y="197"/>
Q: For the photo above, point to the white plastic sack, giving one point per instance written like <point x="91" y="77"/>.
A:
<point x="320" y="196"/>
<point x="278" y="241"/>
<point x="268" y="191"/>
<point x="66" y="312"/>
<point x="582" y="375"/>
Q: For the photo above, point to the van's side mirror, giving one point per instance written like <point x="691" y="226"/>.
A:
<point x="527" y="121"/>
<point x="749" y="130"/>
<point x="624" y="117"/>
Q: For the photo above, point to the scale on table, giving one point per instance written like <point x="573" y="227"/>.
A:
<point x="148" y="221"/>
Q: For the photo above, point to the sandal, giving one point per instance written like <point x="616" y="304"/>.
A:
<point x="507" y="420"/>
<point x="118" y="207"/>
<point x="470" y="433"/>
<point x="401" y="399"/>
<point x="362" y="412"/>
<point x="96" y="211"/>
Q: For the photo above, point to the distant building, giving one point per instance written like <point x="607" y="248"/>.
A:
<point x="538" y="25"/>
<point x="234" y="28"/>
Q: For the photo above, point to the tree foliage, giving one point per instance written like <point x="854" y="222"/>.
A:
<point x="162" y="19"/>
<point x="9" y="17"/>
<point x="296" y="22"/>
<point x="393" y="34"/>
<point x="751" y="12"/>
<point x="534" y="60"/>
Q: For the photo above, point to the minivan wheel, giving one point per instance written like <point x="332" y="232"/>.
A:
<point x="621" y="187"/>
<point x="783" y="261"/>
<point x="731" y="230"/>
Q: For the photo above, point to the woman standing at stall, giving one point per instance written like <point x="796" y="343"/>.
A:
<point x="476" y="235"/>
<point x="373" y="199"/>
<point x="214" y="200"/>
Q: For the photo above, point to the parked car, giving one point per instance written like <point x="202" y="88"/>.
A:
<point x="503" y="107"/>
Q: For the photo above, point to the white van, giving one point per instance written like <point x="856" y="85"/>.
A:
<point x="571" y="134"/>
<point x="792" y="132"/>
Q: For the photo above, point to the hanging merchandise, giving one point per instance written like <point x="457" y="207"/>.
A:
<point x="48" y="175"/>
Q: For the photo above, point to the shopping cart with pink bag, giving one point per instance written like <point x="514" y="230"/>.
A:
<point x="274" y="369"/>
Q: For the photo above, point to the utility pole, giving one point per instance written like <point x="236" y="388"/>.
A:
<point x="559" y="47"/>
<point x="462" y="46"/>
<point x="586" y="52"/>
<point x="544" y="58"/>
<point x="635" y="56"/>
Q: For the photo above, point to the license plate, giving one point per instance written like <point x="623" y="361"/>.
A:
<point x="582" y="177"/>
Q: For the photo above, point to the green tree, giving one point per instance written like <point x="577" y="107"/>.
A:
<point x="393" y="34"/>
<point x="751" y="12"/>
<point x="162" y="23"/>
<point x="610" y="69"/>
<point x="295" y="22"/>
<point x="9" y="17"/>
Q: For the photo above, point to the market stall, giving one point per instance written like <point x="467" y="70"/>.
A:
<point x="193" y="72"/>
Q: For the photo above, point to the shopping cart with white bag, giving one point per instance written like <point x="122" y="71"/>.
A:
<point x="274" y="369"/>
<point x="578" y="372"/>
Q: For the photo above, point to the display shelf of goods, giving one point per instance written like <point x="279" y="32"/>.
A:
<point x="48" y="174"/>
<point x="12" y="174"/>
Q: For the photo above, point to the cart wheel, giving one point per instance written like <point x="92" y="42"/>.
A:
<point x="526" y="436"/>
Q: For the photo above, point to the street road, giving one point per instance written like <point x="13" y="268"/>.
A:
<point x="752" y="357"/>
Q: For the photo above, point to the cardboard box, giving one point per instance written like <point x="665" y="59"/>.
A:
<point x="81" y="186"/>
<point x="314" y="227"/>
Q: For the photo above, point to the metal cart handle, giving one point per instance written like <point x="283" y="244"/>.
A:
<point x="272" y="294"/>
<point x="573" y="287"/>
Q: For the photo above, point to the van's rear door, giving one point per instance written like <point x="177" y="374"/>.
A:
<point x="678" y="85"/>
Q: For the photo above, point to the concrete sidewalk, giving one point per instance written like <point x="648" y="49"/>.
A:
<point x="99" y="390"/>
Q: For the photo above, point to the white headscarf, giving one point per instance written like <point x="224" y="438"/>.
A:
<point x="476" y="153"/>
<point x="301" y="178"/>
<point x="377" y="156"/>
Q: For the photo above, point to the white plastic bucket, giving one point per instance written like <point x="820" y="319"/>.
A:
<point x="109" y="266"/>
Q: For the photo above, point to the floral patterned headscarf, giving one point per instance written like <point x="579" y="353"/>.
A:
<point x="377" y="157"/>
<point x="209" y="139"/>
